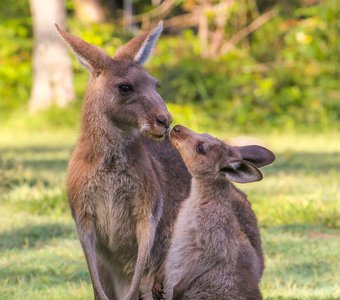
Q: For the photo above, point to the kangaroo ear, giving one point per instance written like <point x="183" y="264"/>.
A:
<point x="92" y="57"/>
<point x="257" y="155"/>
<point x="139" y="49"/>
<point x="240" y="171"/>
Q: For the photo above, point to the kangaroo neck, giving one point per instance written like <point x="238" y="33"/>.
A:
<point x="207" y="190"/>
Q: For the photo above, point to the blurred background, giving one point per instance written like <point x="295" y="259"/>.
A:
<point x="247" y="71"/>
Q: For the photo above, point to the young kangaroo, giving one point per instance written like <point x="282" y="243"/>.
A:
<point x="122" y="200"/>
<point x="211" y="256"/>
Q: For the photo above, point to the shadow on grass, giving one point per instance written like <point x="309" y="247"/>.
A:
<point x="297" y="162"/>
<point x="32" y="166"/>
<point x="49" y="271"/>
<point x="40" y="161"/>
<point x="35" y="236"/>
<point x="41" y="268"/>
<point x="57" y="165"/>
<point x="34" y="149"/>
<point x="301" y="229"/>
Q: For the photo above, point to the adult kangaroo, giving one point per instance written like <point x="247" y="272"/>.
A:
<point x="125" y="181"/>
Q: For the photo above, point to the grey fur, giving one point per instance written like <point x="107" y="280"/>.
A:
<point x="212" y="253"/>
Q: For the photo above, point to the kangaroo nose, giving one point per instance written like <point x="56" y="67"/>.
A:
<point x="163" y="121"/>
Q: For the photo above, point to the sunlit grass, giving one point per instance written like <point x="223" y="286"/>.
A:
<point x="297" y="205"/>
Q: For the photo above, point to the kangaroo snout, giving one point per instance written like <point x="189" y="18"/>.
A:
<point x="179" y="130"/>
<point x="175" y="134"/>
<point x="157" y="124"/>
<point x="180" y="133"/>
<point x="163" y="121"/>
<point x="160" y="125"/>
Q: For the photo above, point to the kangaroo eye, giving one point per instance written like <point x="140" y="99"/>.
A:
<point x="200" y="149"/>
<point x="125" y="89"/>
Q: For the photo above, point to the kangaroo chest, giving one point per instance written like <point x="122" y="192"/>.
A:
<point x="205" y="227"/>
<point x="113" y="209"/>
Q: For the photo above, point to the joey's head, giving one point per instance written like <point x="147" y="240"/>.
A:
<point x="208" y="157"/>
<point x="120" y="89"/>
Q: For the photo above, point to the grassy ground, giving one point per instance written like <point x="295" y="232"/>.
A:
<point x="297" y="204"/>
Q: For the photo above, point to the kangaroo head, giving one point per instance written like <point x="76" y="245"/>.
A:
<point x="119" y="88"/>
<point x="206" y="156"/>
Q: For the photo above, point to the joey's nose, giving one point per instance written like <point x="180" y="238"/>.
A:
<point x="176" y="129"/>
<point x="162" y="120"/>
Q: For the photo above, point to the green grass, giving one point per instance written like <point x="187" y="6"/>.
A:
<point x="297" y="204"/>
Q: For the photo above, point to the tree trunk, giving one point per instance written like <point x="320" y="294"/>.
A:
<point x="89" y="11"/>
<point x="203" y="29"/>
<point x="128" y="12"/>
<point x="53" y="77"/>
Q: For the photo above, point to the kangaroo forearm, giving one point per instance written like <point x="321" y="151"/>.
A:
<point x="86" y="236"/>
<point x="145" y="236"/>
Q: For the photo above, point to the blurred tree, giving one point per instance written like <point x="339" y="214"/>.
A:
<point x="53" y="77"/>
<point x="89" y="11"/>
<point x="128" y="10"/>
<point x="155" y="13"/>
<point x="223" y="24"/>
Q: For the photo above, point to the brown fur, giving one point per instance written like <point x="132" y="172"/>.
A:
<point x="119" y="188"/>
<point x="216" y="247"/>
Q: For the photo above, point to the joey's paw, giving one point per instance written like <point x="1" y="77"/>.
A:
<point x="157" y="292"/>
<point x="141" y="296"/>
<point x="158" y="295"/>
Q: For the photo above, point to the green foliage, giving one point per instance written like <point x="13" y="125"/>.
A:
<point x="15" y="55"/>
<point x="286" y="79"/>
<point x="303" y="55"/>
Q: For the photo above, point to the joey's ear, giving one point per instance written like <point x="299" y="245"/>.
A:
<point x="257" y="155"/>
<point x="240" y="171"/>
<point x="139" y="49"/>
<point x="92" y="57"/>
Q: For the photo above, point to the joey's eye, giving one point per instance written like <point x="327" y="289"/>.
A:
<point x="200" y="148"/>
<point x="125" y="89"/>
